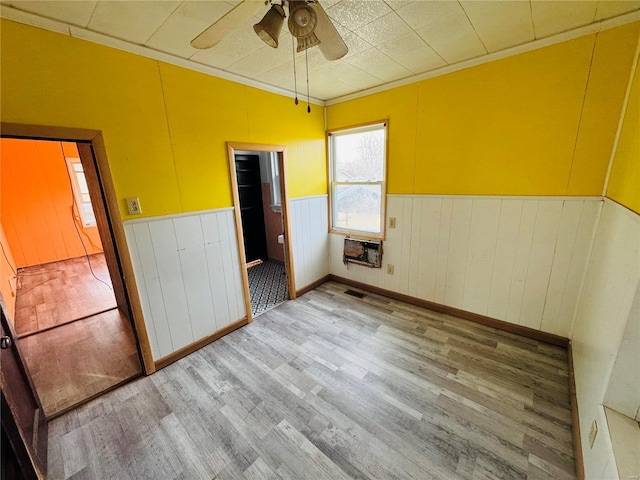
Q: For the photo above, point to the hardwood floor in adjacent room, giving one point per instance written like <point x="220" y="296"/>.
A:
<point x="71" y="360"/>
<point x="329" y="386"/>
<point x="74" y="362"/>
<point x="59" y="292"/>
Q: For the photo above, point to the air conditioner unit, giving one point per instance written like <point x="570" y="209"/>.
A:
<point x="362" y="252"/>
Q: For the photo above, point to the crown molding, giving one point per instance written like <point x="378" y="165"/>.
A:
<point x="20" y="16"/>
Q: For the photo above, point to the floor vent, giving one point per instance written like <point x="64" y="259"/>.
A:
<point x="353" y="293"/>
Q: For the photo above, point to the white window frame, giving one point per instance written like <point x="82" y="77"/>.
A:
<point x="77" y="194"/>
<point x="331" y="135"/>
<point x="274" y="182"/>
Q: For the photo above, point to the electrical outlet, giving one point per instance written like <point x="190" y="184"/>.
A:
<point x="390" y="269"/>
<point x="392" y="222"/>
<point x="133" y="205"/>
<point x="593" y="433"/>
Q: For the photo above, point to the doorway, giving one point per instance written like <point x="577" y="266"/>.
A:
<point x="258" y="175"/>
<point x="71" y="314"/>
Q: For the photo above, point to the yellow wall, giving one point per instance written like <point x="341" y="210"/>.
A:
<point x="539" y="123"/>
<point x="164" y="127"/>
<point x="624" y="182"/>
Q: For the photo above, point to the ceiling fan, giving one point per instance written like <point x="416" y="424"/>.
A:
<point x="308" y="23"/>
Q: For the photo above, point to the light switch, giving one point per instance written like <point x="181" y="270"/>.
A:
<point x="133" y="205"/>
<point x="392" y="222"/>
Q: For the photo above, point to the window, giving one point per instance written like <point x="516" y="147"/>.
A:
<point x="82" y="204"/>
<point x="357" y="166"/>
<point x="274" y="181"/>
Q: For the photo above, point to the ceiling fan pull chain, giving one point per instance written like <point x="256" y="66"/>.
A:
<point x="295" y="75"/>
<point x="306" y="60"/>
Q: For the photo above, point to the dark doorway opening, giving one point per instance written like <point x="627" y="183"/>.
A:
<point x="261" y="211"/>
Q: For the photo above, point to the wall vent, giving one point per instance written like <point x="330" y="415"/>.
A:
<point x="353" y="293"/>
<point x="362" y="252"/>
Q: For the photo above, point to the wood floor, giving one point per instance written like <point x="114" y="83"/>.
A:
<point x="71" y="363"/>
<point x="329" y="386"/>
<point x="59" y="292"/>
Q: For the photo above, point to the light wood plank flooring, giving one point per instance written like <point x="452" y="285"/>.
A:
<point x="329" y="386"/>
<point x="58" y="292"/>
<point x="77" y="361"/>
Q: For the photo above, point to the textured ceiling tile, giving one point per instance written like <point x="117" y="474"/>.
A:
<point x="413" y="53"/>
<point x="613" y="8"/>
<point x="379" y="65"/>
<point x="551" y="17"/>
<point x="501" y="24"/>
<point x="397" y="4"/>
<point x="260" y="61"/>
<point x="188" y="21"/>
<point x="281" y="76"/>
<point x="354" y="14"/>
<point x="320" y="85"/>
<point x="134" y="21"/>
<point x="422" y="13"/>
<point x="325" y="88"/>
<point x="383" y="29"/>
<point x="355" y="43"/>
<point x="328" y="3"/>
<point x="349" y="74"/>
<point x="314" y="57"/>
<point x="75" y="13"/>
<point x="453" y="38"/>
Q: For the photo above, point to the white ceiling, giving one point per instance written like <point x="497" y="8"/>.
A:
<point x="388" y="40"/>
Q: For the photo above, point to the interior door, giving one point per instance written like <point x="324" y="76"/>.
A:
<point x="250" y="195"/>
<point x="23" y="420"/>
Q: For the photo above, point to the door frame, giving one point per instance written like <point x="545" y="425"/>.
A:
<point x="93" y="156"/>
<point x="281" y="150"/>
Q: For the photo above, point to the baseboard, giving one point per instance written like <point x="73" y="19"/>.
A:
<point x="456" y="312"/>
<point x="313" y="285"/>
<point x="197" y="345"/>
<point x="575" y="418"/>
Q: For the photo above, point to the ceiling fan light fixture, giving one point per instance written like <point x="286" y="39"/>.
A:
<point x="268" y="29"/>
<point x="307" y="42"/>
<point x="302" y="18"/>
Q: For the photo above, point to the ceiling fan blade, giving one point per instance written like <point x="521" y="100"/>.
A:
<point x="331" y="44"/>
<point x="211" y="36"/>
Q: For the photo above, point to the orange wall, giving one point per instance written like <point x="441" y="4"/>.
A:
<point x="36" y="203"/>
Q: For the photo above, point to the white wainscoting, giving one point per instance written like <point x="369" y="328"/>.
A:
<point x="187" y="270"/>
<point x="610" y="287"/>
<point x="517" y="259"/>
<point x="309" y="239"/>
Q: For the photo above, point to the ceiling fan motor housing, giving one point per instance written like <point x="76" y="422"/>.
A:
<point x="302" y="18"/>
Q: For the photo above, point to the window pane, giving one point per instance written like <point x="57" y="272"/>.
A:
<point x="357" y="207"/>
<point x="89" y="216"/>
<point x="86" y="198"/>
<point x="82" y="183"/>
<point x="359" y="157"/>
<point x="77" y="167"/>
